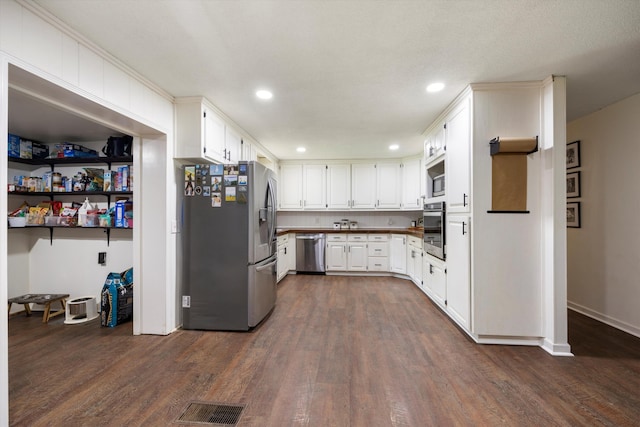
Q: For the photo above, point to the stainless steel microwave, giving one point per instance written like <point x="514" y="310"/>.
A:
<point x="437" y="186"/>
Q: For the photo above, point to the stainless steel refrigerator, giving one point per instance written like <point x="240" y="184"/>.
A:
<point x="228" y="246"/>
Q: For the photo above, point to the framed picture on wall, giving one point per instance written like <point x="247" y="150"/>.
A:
<point x="573" y="154"/>
<point x="573" y="184"/>
<point x="573" y="214"/>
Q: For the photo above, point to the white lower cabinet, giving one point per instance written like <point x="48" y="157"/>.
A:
<point x="398" y="254"/>
<point x="458" y="284"/>
<point x="291" y="253"/>
<point x="378" y="252"/>
<point x="336" y="253"/>
<point x="282" y="264"/>
<point x="357" y="252"/>
<point x="286" y="257"/>
<point x="434" y="279"/>
<point x="414" y="259"/>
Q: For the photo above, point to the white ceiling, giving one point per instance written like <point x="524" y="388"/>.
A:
<point x="349" y="77"/>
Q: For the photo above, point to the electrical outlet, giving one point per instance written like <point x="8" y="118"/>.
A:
<point x="102" y="258"/>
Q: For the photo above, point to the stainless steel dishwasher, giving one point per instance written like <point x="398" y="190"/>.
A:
<point x="310" y="252"/>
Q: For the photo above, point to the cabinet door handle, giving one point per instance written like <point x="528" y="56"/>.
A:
<point x="285" y="250"/>
<point x="430" y="269"/>
<point x="464" y="199"/>
<point x="463" y="232"/>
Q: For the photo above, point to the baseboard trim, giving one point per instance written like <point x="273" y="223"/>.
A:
<point x="611" y="321"/>
<point x="556" y="349"/>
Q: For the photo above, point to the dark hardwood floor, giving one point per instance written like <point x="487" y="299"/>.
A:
<point x="336" y="351"/>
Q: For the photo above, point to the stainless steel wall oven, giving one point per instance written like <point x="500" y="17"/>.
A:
<point x="434" y="229"/>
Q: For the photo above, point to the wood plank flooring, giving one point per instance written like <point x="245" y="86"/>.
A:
<point x="336" y="351"/>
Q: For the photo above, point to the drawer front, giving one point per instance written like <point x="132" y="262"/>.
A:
<point x="415" y="242"/>
<point x="378" y="263"/>
<point x="378" y="237"/>
<point x="283" y="239"/>
<point x="378" y="249"/>
<point x="336" y="237"/>
<point x="357" y="237"/>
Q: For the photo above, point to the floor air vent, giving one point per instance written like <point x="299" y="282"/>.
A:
<point x="215" y="414"/>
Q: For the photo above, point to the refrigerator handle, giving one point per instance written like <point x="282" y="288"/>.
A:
<point x="272" y="225"/>
<point x="266" y="266"/>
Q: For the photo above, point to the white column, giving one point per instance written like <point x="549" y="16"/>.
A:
<point x="554" y="242"/>
<point x="4" y="327"/>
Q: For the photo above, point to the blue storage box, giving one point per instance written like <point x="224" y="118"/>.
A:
<point x="14" y="145"/>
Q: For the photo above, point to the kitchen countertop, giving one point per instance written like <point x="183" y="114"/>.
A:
<point x="411" y="231"/>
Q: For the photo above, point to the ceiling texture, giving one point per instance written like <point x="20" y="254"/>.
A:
<point x="349" y="77"/>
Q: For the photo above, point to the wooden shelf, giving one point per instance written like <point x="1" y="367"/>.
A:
<point x="62" y="161"/>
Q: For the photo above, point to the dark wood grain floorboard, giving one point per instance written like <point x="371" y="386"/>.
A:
<point x="336" y="351"/>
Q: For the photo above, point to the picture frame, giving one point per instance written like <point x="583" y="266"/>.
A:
<point x="573" y="155"/>
<point x="573" y="184"/>
<point x="573" y="214"/>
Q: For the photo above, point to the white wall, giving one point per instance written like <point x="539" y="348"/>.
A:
<point x="94" y="82"/>
<point x="604" y="254"/>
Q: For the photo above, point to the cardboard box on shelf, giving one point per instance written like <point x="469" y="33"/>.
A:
<point x="26" y="149"/>
<point x="39" y="151"/>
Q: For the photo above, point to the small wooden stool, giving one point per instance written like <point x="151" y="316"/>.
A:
<point x="45" y="299"/>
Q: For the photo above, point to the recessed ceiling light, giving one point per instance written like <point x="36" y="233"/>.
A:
<point x="435" y="87"/>
<point x="394" y="147"/>
<point x="264" y="94"/>
<point x="301" y="149"/>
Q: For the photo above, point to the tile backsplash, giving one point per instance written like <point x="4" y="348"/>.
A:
<point x="311" y="219"/>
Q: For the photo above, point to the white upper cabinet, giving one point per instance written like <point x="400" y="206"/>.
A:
<point x="347" y="186"/>
<point x="435" y="145"/>
<point x="314" y="194"/>
<point x="412" y="184"/>
<point x="302" y="186"/>
<point x="388" y="184"/>
<point x="214" y="134"/>
<point x="200" y="131"/>
<point x="290" y="187"/>
<point x="363" y="186"/>
<point x="249" y="152"/>
<point x="458" y="138"/>
<point x="339" y="186"/>
<point x="232" y="151"/>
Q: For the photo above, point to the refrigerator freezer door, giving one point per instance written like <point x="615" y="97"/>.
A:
<point x="262" y="290"/>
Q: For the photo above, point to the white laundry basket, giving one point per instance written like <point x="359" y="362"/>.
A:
<point x="80" y="310"/>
